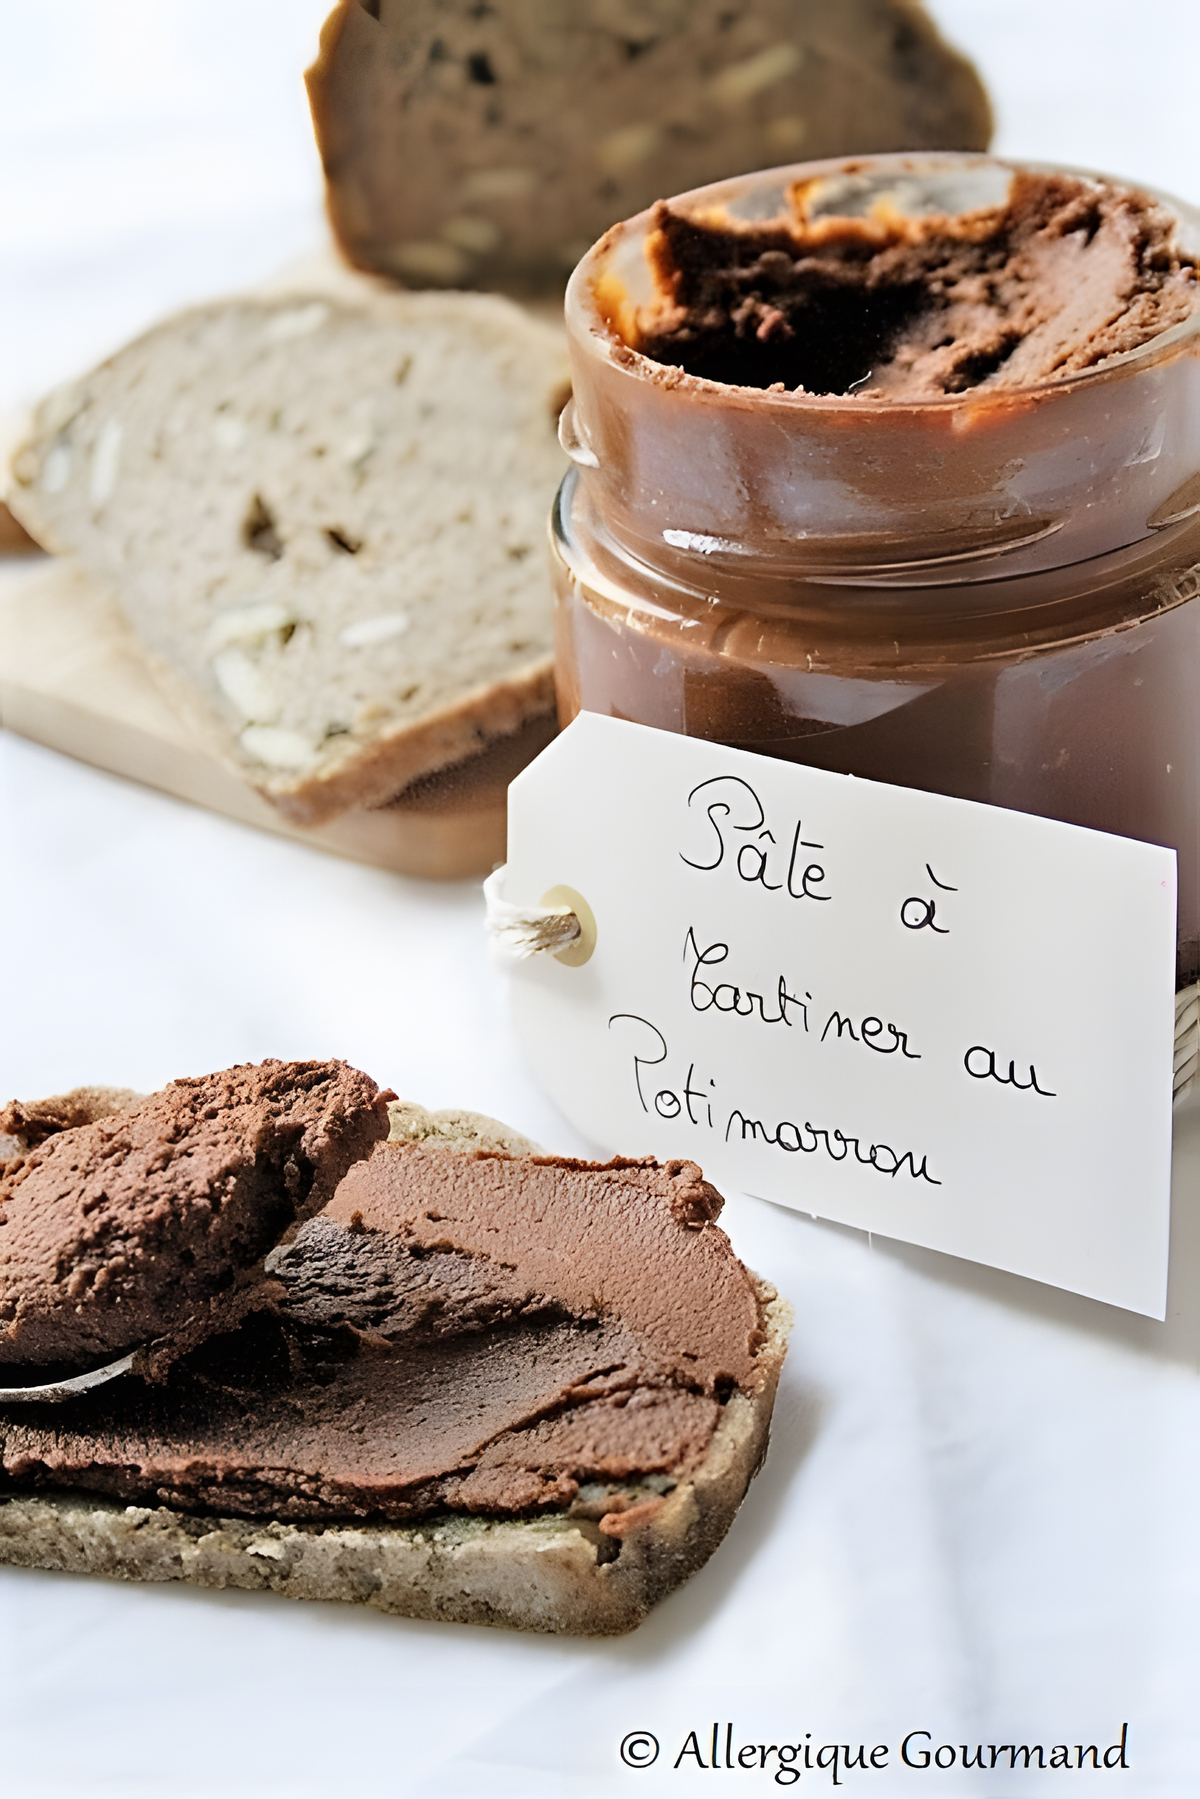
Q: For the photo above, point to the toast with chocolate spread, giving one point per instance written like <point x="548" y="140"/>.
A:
<point x="476" y="1383"/>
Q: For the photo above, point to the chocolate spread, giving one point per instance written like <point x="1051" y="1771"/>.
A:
<point x="117" y="1232"/>
<point x="463" y="1331"/>
<point x="1061" y="276"/>
<point x="24" y="1126"/>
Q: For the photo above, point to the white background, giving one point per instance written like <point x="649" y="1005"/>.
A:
<point x="979" y="1515"/>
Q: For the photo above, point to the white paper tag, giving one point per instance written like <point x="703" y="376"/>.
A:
<point x="932" y="1019"/>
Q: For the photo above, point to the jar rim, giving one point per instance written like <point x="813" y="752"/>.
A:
<point x="605" y="338"/>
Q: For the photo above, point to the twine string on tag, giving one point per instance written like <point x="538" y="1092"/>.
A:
<point x="524" y="931"/>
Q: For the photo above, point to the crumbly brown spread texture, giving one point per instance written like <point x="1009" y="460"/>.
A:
<point x="117" y="1232"/>
<point x="461" y="1331"/>
<point x="24" y="1126"/>
<point x="1063" y="275"/>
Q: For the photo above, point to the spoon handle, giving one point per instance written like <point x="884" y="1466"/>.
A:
<point x="59" y="1390"/>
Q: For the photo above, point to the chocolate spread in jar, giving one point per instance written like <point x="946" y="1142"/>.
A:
<point x="1061" y="275"/>
<point x="464" y="1332"/>
<point x="892" y="467"/>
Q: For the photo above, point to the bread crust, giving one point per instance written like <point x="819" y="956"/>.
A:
<point x="380" y="771"/>
<point x="14" y="538"/>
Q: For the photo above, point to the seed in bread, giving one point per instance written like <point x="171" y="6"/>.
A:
<point x="325" y="520"/>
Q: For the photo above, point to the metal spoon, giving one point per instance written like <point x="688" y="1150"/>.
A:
<point x="56" y="1391"/>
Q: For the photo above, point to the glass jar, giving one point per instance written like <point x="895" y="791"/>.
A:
<point x="989" y="595"/>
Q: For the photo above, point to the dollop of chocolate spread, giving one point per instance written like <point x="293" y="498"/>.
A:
<point x="1066" y="273"/>
<point x="118" y="1232"/>
<point x="469" y="1332"/>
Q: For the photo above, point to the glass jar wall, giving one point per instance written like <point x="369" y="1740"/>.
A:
<point x="991" y="595"/>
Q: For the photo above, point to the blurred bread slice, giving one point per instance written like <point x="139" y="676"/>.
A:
<point x="323" y="514"/>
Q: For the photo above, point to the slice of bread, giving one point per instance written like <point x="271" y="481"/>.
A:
<point x="75" y="677"/>
<point x="324" y="517"/>
<point x="595" y="1570"/>
<point x="490" y="145"/>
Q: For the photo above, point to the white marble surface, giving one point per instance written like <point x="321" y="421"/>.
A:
<point x="979" y="1516"/>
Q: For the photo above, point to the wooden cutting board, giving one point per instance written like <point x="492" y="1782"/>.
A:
<point x="73" y="677"/>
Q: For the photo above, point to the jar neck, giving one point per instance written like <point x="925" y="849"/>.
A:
<point x="704" y="485"/>
<point x="872" y="622"/>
